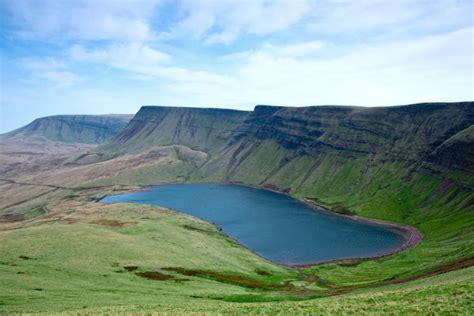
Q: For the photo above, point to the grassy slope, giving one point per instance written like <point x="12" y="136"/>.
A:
<point x="382" y="191"/>
<point x="78" y="260"/>
<point x="369" y="186"/>
<point x="440" y="209"/>
<point x="89" y="129"/>
<point x="448" y="294"/>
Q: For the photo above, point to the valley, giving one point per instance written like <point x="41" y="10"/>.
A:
<point x="64" y="251"/>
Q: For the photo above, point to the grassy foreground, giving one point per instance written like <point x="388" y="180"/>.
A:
<point x="100" y="256"/>
<point x="423" y="297"/>
<point x="129" y="258"/>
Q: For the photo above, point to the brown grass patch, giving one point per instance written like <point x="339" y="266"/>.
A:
<point x="12" y="218"/>
<point x="111" y="223"/>
<point x="154" y="275"/>
<point x="235" y="279"/>
<point x="262" y="272"/>
<point x="130" y="268"/>
<point x="197" y="229"/>
<point x="350" y="263"/>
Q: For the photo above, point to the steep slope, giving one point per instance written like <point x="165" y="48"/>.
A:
<point x="88" y="129"/>
<point x="199" y="129"/>
<point x="203" y="129"/>
<point x="406" y="164"/>
<point x="409" y="164"/>
<point x="456" y="153"/>
<point x="306" y="138"/>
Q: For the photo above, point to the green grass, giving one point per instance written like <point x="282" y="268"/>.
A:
<point x="69" y="266"/>
<point x="447" y="294"/>
<point x="77" y="258"/>
<point x="84" y="266"/>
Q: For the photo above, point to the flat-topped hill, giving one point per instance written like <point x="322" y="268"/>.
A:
<point x="89" y="129"/>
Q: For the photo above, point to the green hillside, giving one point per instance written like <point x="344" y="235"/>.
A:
<point x="407" y="164"/>
<point x="88" y="129"/>
<point x="412" y="165"/>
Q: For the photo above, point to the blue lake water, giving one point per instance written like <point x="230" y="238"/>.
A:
<point x="275" y="226"/>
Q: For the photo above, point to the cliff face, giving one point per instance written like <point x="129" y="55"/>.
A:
<point x="406" y="132"/>
<point x="89" y="129"/>
<point x="284" y="146"/>
<point x="202" y="129"/>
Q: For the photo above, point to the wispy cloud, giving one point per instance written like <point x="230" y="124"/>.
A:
<point x="225" y="21"/>
<point x="379" y="17"/>
<point x="427" y="68"/>
<point x="140" y="59"/>
<point x="100" y="55"/>
<point x="51" y="69"/>
<point x="82" y="19"/>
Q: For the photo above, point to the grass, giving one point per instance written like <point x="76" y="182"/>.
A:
<point x="446" y="294"/>
<point x="87" y="262"/>
<point x="71" y="254"/>
<point x="129" y="258"/>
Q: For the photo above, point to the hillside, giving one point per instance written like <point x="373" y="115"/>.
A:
<point x="406" y="164"/>
<point x="436" y="137"/>
<point x="411" y="165"/>
<point x="88" y="129"/>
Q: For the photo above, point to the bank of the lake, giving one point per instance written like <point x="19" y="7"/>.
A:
<point x="277" y="226"/>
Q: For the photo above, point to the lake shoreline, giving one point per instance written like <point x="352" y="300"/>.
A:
<point x="411" y="235"/>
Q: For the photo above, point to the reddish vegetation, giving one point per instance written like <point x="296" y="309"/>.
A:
<point x="461" y="264"/>
<point x="444" y="187"/>
<point x="270" y="186"/>
<point x="274" y="187"/>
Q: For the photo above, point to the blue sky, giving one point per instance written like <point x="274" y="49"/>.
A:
<point x="103" y="56"/>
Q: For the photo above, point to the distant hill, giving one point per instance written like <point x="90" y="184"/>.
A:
<point x="288" y="147"/>
<point x="88" y="129"/>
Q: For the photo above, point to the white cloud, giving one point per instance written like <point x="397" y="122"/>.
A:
<point x="423" y="69"/>
<point x="51" y="69"/>
<point x="83" y="19"/>
<point x="380" y="16"/>
<point x="123" y="55"/>
<point x="301" y="52"/>
<point x="142" y="60"/>
<point x="224" y="21"/>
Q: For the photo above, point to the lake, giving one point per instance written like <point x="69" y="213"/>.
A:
<point x="275" y="226"/>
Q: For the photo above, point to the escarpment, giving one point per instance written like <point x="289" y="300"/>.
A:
<point x="89" y="129"/>
<point x="309" y="150"/>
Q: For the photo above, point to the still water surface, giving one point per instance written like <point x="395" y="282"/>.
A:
<point x="275" y="226"/>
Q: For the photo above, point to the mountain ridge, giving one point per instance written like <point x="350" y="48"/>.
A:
<point x="89" y="129"/>
<point x="409" y="133"/>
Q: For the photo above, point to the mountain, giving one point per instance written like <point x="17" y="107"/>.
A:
<point x="287" y="147"/>
<point x="412" y="165"/>
<point x="89" y="129"/>
<point x="198" y="128"/>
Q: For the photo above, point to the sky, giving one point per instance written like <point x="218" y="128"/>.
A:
<point x="113" y="56"/>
